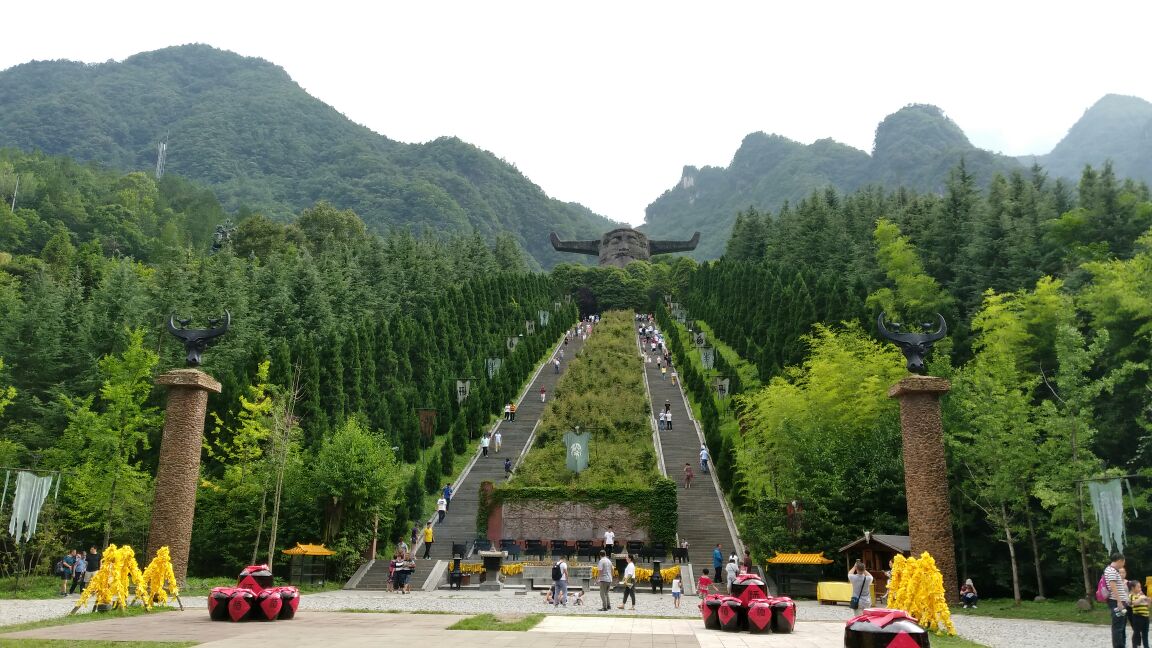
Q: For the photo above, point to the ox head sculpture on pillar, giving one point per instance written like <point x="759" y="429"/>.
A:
<point x="915" y="346"/>
<point x="197" y="340"/>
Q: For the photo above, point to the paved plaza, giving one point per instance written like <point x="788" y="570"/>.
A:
<point x="423" y="617"/>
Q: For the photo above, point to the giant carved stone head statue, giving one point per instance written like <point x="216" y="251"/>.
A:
<point x="622" y="246"/>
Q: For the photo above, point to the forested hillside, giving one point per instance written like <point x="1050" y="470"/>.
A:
<point x="1047" y="290"/>
<point x="261" y="143"/>
<point x="369" y="329"/>
<point x="1117" y="129"/>
<point x="914" y="148"/>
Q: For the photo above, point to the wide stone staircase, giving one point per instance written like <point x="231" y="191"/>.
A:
<point x="704" y="521"/>
<point x="459" y="525"/>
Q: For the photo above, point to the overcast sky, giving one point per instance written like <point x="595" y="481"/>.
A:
<point x="603" y="103"/>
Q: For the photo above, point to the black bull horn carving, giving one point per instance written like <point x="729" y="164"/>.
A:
<point x="915" y="346"/>
<point x="197" y="340"/>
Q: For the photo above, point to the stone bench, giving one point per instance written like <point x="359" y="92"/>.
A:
<point x="543" y="574"/>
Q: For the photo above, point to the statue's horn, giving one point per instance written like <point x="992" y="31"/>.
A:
<point x="941" y="329"/>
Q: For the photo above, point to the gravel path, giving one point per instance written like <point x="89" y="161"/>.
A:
<point x="995" y="633"/>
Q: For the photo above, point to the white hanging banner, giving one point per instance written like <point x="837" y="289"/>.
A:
<point x="1108" y="502"/>
<point x="31" y="491"/>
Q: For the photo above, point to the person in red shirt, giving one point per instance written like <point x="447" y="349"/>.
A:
<point x="704" y="584"/>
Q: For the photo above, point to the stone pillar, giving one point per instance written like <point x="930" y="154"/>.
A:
<point x="926" y="474"/>
<point x="178" y="474"/>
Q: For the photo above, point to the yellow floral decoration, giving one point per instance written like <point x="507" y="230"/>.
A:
<point x="159" y="580"/>
<point x="917" y="587"/>
<point x="119" y="574"/>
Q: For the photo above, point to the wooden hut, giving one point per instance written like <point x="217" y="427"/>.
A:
<point x="876" y="550"/>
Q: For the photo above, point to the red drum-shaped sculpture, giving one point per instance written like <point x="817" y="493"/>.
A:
<point x="256" y="578"/>
<point x="241" y="604"/>
<point x="218" y="603"/>
<point x="783" y="614"/>
<point x="710" y="611"/>
<point x="748" y="587"/>
<point x="268" y="604"/>
<point x="884" y="628"/>
<point x="760" y="616"/>
<point x="732" y="614"/>
<point x="290" y="600"/>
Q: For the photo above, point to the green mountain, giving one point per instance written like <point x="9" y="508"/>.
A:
<point x="245" y="128"/>
<point x="915" y="147"/>
<point x="1116" y="128"/>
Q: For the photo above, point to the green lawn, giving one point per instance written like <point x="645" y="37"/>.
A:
<point x="89" y="643"/>
<point x="1051" y="610"/>
<point x="31" y="587"/>
<point x="944" y="641"/>
<point x="82" y="617"/>
<point x="515" y="623"/>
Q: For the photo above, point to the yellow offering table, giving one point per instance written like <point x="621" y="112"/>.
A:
<point x="833" y="592"/>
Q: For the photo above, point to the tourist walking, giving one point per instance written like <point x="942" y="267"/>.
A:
<point x="78" y="572"/>
<point x="610" y="541"/>
<point x="543" y="394"/>
<point x="717" y="560"/>
<point x="63" y="571"/>
<point x="484" y="441"/>
<point x="660" y="421"/>
<point x="1118" y="600"/>
<point x="448" y="495"/>
<point x="441" y="509"/>
<point x="629" y="583"/>
<point x="556" y="363"/>
<point x="497" y="441"/>
<point x="704" y="459"/>
<point x="560" y="582"/>
<point x="429" y="538"/>
<point x="861" y="581"/>
<point x="507" y="468"/>
<point x="687" y="475"/>
<point x="677" y="589"/>
<point x="93" y="560"/>
<point x="668" y="420"/>
<point x="730" y="573"/>
<point x="508" y="412"/>
<point x="512" y="412"/>
<point x="663" y="373"/>
<point x="605" y="581"/>
<point x="704" y="584"/>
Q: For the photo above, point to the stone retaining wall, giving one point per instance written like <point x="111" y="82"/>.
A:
<point x="569" y="521"/>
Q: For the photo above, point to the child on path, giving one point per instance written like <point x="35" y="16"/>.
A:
<point x="677" y="586"/>
<point x="1139" y="616"/>
<point x="704" y="584"/>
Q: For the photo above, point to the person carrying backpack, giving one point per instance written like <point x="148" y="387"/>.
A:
<point x="560" y="582"/>
<point x="1115" y="589"/>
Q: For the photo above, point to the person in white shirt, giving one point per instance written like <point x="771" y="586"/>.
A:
<point x="484" y="444"/>
<point x="677" y="588"/>
<point x="496" y="440"/>
<point x="441" y="508"/>
<point x="609" y="540"/>
<point x="629" y="583"/>
<point x="561" y="584"/>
